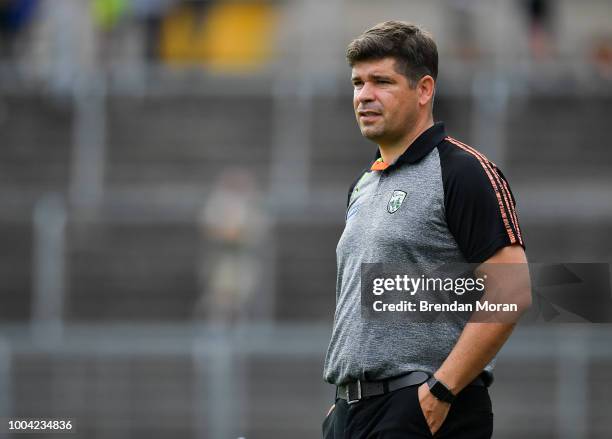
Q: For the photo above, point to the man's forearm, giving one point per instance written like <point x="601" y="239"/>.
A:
<point x="481" y="341"/>
<point x="476" y="347"/>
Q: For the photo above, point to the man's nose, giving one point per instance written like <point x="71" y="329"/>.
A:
<point x="366" y="93"/>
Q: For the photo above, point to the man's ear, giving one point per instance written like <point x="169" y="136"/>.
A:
<point x="425" y="89"/>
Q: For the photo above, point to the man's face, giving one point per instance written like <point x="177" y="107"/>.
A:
<point x="385" y="106"/>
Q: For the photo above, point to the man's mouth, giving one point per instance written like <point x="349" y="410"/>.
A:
<point x="368" y="115"/>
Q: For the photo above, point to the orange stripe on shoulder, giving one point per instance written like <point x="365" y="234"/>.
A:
<point x="493" y="184"/>
<point x="501" y="184"/>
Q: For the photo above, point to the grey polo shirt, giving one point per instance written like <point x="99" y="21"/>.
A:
<point x="440" y="202"/>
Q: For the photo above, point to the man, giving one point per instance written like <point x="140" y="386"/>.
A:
<point x="426" y="201"/>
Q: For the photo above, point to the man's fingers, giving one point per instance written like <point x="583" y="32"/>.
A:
<point x="434" y="411"/>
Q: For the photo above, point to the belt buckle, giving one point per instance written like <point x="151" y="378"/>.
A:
<point x="348" y="393"/>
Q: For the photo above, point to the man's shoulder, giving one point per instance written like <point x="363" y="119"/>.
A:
<point x="461" y="161"/>
<point x="461" y="155"/>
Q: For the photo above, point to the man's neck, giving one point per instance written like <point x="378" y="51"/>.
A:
<point x="391" y="152"/>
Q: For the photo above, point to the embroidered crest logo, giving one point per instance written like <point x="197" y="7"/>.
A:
<point x="397" y="198"/>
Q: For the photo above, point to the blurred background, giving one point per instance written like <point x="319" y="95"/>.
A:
<point x="173" y="179"/>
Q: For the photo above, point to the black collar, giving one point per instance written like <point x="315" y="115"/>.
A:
<point x="422" y="146"/>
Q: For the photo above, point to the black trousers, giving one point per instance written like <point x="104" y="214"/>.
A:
<point x="398" y="415"/>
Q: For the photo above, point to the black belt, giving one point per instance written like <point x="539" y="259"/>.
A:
<point x="357" y="390"/>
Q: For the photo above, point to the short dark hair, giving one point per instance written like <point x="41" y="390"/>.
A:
<point x="412" y="47"/>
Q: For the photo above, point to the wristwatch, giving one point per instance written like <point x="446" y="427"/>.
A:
<point x="439" y="390"/>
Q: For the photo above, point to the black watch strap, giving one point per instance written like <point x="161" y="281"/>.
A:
<point x="440" y="390"/>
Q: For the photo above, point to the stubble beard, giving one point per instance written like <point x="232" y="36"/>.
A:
<point x="372" y="132"/>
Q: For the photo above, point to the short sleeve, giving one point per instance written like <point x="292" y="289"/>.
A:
<point x="479" y="206"/>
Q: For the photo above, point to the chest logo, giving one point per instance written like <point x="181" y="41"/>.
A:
<point x="397" y="198"/>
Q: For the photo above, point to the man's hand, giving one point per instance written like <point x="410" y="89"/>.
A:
<point x="434" y="410"/>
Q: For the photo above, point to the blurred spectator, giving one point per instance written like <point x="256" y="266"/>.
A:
<point x="233" y="225"/>
<point x="538" y="14"/>
<point x="601" y="54"/>
<point x="461" y="23"/>
<point x="151" y="12"/>
<point x="15" y="15"/>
